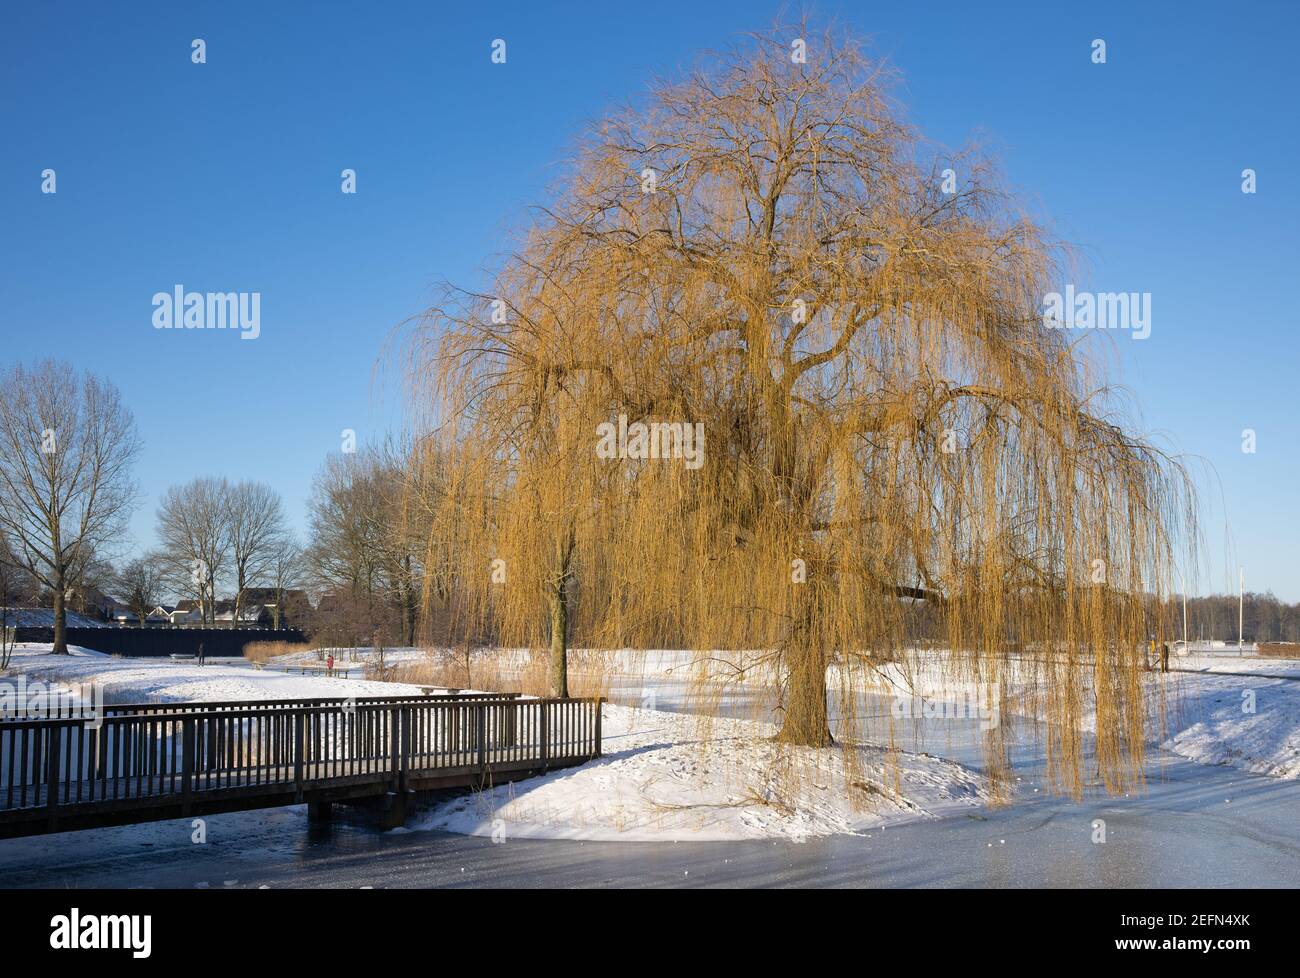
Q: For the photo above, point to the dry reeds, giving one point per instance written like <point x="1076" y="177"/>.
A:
<point x="266" y="651"/>
<point x="590" y="673"/>
<point x="1280" y="650"/>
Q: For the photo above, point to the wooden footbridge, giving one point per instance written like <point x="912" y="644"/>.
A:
<point x="144" y="762"/>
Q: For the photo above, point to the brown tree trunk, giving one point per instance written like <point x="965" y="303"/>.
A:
<point x="807" y="722"/>
<point x="559" y="637"/>
<point x="60" y="617"/>
<point x="807" y="719"/>
<point x="559" y="602"/>
<point x="410" y="606"/>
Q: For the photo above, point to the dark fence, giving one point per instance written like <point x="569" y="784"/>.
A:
<point x="164" y="641"/>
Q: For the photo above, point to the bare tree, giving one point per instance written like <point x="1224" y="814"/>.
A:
<point x="13" y="593"/>
<point x="401" y="533"/>
<point x="256" y="530"/>
<point x="364" y="539"/>
<point x="344" y="549"/>
<point x="141" y="584"/>
<point x="67" y="444"/>
<point x="88" y="589"/>
<point x="767" y="254"/>
<point x="514" y="494"/>
<point x="194" y="539"/>
<point x="427" y="487"/>
<point x="284" y="572"/>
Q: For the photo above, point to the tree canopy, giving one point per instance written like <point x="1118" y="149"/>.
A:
<point x="767" y="249"/>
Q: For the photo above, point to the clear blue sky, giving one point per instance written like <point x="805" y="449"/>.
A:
<point x="225" y="176"/>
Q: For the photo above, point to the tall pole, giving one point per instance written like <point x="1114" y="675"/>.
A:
<point x="1183" y="582"/>
<point x="1186" y="647"/>
<point x="1241" y="613"/>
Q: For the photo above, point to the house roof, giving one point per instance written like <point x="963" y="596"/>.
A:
<point x="44" y="618"/>
<point x="250" y="612"/>
<point x="266" y="595"/>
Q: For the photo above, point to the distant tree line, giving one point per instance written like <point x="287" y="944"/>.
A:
<point x="1265" y="618"/>
<point x="67" y="448"/>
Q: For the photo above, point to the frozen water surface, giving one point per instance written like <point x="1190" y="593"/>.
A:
<point x="1192" y="826"/>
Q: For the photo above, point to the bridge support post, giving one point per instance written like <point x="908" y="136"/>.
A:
<point x="320" y="812"/>
<point x="393" y="809"/>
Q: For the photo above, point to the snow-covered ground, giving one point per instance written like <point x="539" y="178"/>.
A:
<point x="1215" y="707"/>
<point x="664" y="776"/>
<point x="1233" y="663"/>
<point x="682" y="777"/>
<point x="350" y="656"/>
<point x="167" y="680"/>
<point x="678" y="776"/>
<point x="1244" y="721"/>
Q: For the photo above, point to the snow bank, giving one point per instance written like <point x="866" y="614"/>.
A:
<point x="679" y="777"/>
<point x="1248" y="722"/>
<point x="353" y="655"/>
<point x="1236" y="710"/>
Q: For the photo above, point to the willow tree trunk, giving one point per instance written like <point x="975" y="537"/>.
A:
<point x="559" y="600"/>
<point x="807" y="719"/>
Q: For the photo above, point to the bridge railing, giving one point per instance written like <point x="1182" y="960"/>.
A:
<point x="135" y="759"/>
<point x="58" y="703"/>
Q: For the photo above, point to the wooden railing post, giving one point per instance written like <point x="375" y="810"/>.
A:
<point x="408" y="726"/>
<point x="482" y="737"/>
<point x="546" y="734"/>
<point x="52" y="774"/>
<point x="600" y="702"/>
<point x="210" y="748"/>
<point x="299" y="757"/>
<point x="187" y="763"/>
<point x="394" y="731"/>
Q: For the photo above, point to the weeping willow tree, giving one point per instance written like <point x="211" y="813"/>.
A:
<point x="512" y="489"/>
<point x="767" y="253"/>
